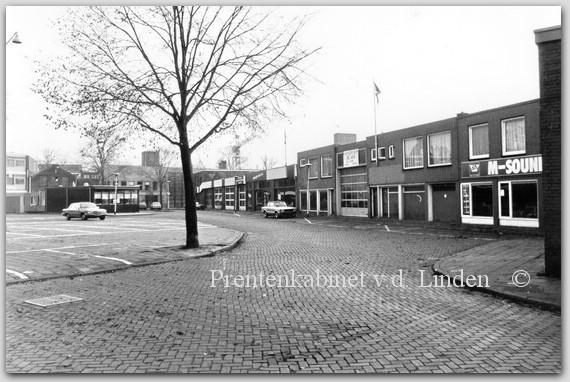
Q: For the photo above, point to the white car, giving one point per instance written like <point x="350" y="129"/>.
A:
<point x="84" y="211"/>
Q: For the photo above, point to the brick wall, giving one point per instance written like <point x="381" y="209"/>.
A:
<point x="549" y="48"/>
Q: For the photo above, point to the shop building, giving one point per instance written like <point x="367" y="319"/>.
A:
<point x="269" y="185"/>
<point x="413" y="173"/>
<point x="501" y="166"/>
<point x="58" y="198"/>
<point x="19" y="170"/>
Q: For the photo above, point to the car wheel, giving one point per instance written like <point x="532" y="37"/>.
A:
<point x="265" y="214"/>
<point x="276" y="215"/>
<point x="102" y="217"/>
<point x="67" y="217"/>
<point x="83" y="217"/>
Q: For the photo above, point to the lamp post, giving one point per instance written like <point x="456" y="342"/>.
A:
<point x="308" y="180"/>
<point x="14" y="39"/>
<point x="116" y="184"/>
<point x="167" y="194"/>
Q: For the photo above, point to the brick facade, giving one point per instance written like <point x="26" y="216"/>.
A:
<point x="550" y="67"/>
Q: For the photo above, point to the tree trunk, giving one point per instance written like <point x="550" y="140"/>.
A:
<point x="189" y="199"/>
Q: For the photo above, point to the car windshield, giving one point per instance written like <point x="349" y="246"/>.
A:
<point x="88" y="205"/>
<point x="280" y="204"/>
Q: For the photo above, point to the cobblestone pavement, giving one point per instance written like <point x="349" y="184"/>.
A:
<point x="167" y="318"/>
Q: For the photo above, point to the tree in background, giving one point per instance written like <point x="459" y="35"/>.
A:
<point x="183" y="73"/>
<point x="160" y="170"/>
<point x="267" y="162"/>
<point x="101" y="149"/>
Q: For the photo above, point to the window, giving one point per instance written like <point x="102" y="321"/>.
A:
<point x="10" y="162"/>
<point x="479" y="141"/>
<point x="312" y="200"/>
<point x="413" y="153"/>
<point x="439" y="146"/>
<point x="519" y="200"/>
<point x="229" y="196"/>
<point x="514" y="136"/>
<point x="218" y="197"/>
<point x="354" y="189"/>
<point x="382" y="153"/>
<point x="373" y="155"/>
<point x="303" y="198"/>
<point x="323" y="202"/>
<point x="20" y="180"/>
<point x="303" y="162"/>
<point x="10" y="179"/>
<point x="313" y="168"/>
<point x="326" y="166"/>
<point x="20" y="163"/>
<point x="391" y="153"/>
<point x="32" y="201"/>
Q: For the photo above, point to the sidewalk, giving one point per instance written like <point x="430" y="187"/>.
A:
<point x="504" y="262"/>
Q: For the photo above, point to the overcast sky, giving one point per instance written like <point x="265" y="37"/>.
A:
<point x="430" y="63"/>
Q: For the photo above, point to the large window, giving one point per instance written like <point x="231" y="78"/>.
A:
<point x="519" y="199"/>
<point x="413" y="153"/>
<point x="439" y="146"/>
<point x="514" y="141"/>
<point x="477" y="199"/>
<point x="218" y="198"/>
<point x="313" y="168"/>
<point x="326" y="166"/>
<point x="354" y="189"/>
<point x="479" y="141"/>
<point x="323" y="202"/>
<point x="230" y="196"/>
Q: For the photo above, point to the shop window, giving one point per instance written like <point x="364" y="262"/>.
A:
<point x="303" y="198"/>
<point x="229" y="196"/>
<point x="323" y="206"/>
<point x="439" y="146"/>
<point x="514" y="141"/>
<point x="479" y="141"/>
<point x="326" y="166"/>
<point x="391" y="153"/>
<point x="313" y="168"/>
<point x="382" y="153"/>
<point x="413" y="153"/>
<point x="519" y="200"/>
<point x="32" y="201"/>
<point x="482" y="199"/>
<point x="313" y="200"/>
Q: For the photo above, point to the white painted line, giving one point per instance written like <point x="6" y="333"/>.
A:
<point x="65" y="253"/>
<point x="237" y="215"/>
<point x="114" y="258"/>
<point x="336" y="226"/>
<point x="387" y="228"/>
<point x="67" y="247"/>
<point x="25" y="234"/>
<point x="308" y="221"/>
<point x="17" y="274"/>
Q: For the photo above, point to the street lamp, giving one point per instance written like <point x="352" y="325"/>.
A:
<point x="116" y="184"/>
<point x="308" y="180"/>
<point x="14" y="39"/>
<point x="168" y="194"/>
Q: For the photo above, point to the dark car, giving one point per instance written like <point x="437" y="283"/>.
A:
<point x="278" y="209"/>
<point x="84" y="211"/>
<point x="200" y="206"/>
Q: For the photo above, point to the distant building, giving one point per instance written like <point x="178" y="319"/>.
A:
<point x="150" y="158"/>
<point x="19" y="170"/>
<point x="51" y="176"/>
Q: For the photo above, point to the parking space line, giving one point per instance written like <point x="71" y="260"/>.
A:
<point x="25" y="234"/>
<point x="114" y="258"/>
<point x="67" y="247"/>
<point x="65" y="253"/>
<point x="17" y="274"/>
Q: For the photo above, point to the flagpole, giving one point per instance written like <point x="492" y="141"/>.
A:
<point x="375" y="94"/>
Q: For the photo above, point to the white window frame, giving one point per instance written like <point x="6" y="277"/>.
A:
<point x="322" y="172"/>
<point x="391" y="154"/>
<point x="302" y="162"/>
<point x="381" y="157"/>
<point x="450" y="148"/>
<point x="504" y="141"/>
<point x="482" y="156"/>
<point x="373" y="155"/>
<point x="311" y="166"/>
<point x="510" y="220"/>
<point x="404" y="153"/>
<point x="470" y="219"/>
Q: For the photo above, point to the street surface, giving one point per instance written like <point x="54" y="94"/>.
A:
<point x="330" y="297"/>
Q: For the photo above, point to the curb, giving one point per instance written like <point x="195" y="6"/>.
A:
<point x="517" y="299"/>
<point x="210" y="253"/>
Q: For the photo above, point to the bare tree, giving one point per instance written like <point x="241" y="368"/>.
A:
<point x="267" y="162"/>
<point x="184" y="73"/>
<point x="161" y="168"/>
<point x="101" y="149"/>
<point x="49" y="156"/>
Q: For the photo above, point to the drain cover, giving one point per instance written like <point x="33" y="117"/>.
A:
<point x="54" y="300"/>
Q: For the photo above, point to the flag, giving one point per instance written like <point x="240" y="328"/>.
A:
<point x="376" y="91"/>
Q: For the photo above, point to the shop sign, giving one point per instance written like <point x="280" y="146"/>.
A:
<point x="531" y="164"/>
<point x="350" y="158"/>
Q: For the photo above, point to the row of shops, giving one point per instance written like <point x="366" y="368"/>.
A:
<point x="482" y="169"/>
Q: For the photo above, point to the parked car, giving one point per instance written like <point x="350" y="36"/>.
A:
<point x="278" y="209"/>
<point x="155" y="206"/>
<point x="200" y="206"/>
<point x="142" y="206"/>
<point x="84" y="211"/>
